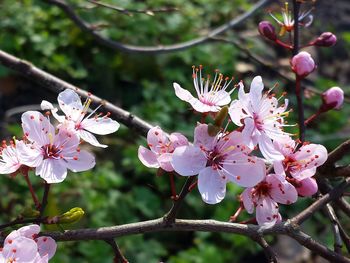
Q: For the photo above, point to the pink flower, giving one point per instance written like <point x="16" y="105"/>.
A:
<point x="303" y="64"/>
<point x="301" y="163"/>
<point x="265" y="198"/>
<point x="23" y="245"/>
<point x="263" y="120"/>
<point x="333" y="98"/>
<point x="162" y="148"/>
<point x="267" y="30"/>
<point x="76" y="112"/>
<point x="9" y="162"/>
<point x="217" y="160"/>
<point x="209" y="99"/>
<point x="50" y="153"/>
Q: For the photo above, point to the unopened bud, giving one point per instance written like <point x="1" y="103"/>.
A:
<point x="307" y="187"/>
<point x="333" y="98"/>
<point x="326" y="39"/>
<point x="71" y="216"/>
<point x="267" y="30"/>
<point x="303" y="64"/>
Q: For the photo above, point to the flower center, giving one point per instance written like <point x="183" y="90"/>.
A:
<point x="51" y="151"/>
<point x="215" y="159"/>
<point x="258" y="122"/>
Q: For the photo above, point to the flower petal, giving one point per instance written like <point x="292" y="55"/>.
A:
<point x="70" y="104"/>
<point x="82" y="161"/>
<point x="90" y="138"/>
<point x="52" y="171"/>
<point x="211" y="186"/>
<point x="177" y="139"/>
<point x="266" y="212"/>
<point x="46" y="246"/>
<point x="100" y="125"/>
<point x="247" y="200"/>
<point x="268" y="150"/>
<point x="147" y="157"/>
<point x="202" y="137"/>
<point x="255" y="93"/>
<point x="28" y="154"/>
<point x="164" y="161"/>
<point x="22" y="249"/>
<point x="188" y="160"/>
<point x="156" y="138"/>
<point x="281" y="191"/>
<point x="37" y="127"/>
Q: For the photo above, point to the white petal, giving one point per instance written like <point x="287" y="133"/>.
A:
<point x="46" y="246"/>
<point x="164" y="161"/>
<point x="29" y="155"/>
<point x="45" y="105"/>
<point x="90" y="138"/>
<point x="247" y="200"/>
<point x="52" y="171"/>
<point x="255" y="92"/>
<point x="268" y="150"/>
<point x="211" y="186"/>
<point x="202" y="137"/>
<point x="82" y="161"/>
<point x="70" y="104"/>
<point x="101" y="125"/>
<point x="147" y="157"/>
<point x="37" y="127"/>
<point x="267" y="212"/>
<point x="188" y="160"/>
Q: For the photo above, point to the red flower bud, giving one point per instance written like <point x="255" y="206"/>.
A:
<point x="326" y="39"/>
<point x="267" y="30"/>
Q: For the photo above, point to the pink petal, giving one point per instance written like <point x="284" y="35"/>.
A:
<point x="211" y="186"/>
<point x="81" y="161"/>
<point x="222" y="98"/>
<point x="268" y="150"/>
<point x="90" y="138"/>
<point x="247" y="132"/>
<point x="156" y="138"/>
<point x="182" y="94"/>
<point x="147" y="157"/>
<point x="266" y="212"/>
<point x="22" y="249"/>
<point x="29" y="154"/>
<point x="70" y="104"/>
<point x="244" y="170"/>
<point x="202" y="138"/>
<point x="255" y="92"/>
<point x="247" y="200"/>
<point x="29" y="231"/>
<point x="37" y="127"/>
<point x="100" y="125"/>
<point x="188" y="160"/>
<point x="308" y="187"/>
<point x="52" y="171"/>
<point x="177" y="139"/>
<point x="164" y="161"/>
<point x="281" y="191"/>
<point x="46" y="246"/>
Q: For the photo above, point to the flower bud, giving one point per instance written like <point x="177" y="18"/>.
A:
<point x="326" y="39"/>
<point x="71" y="216"/>
<point x="267" y="30"/>
<point x="333" y="98"/>
<point x="303" y="64"/>
<point x="307" y="187"/>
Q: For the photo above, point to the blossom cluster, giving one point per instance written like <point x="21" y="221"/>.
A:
<point x="24" y="245"/>
<point x="258" y="154"/>
<point x="52" y="150"/>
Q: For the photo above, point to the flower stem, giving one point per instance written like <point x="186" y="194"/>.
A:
<point x="44" y="200"/>
<point x="174" y="196"/>
<point x="32" y="192"/>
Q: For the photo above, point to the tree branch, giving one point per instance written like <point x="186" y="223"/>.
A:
<point x="119" y="258"/>
<point x="49" y="81"/>
<point x="84" y="26"/>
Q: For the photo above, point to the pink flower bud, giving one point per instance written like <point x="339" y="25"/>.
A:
<point x="303" y="64"/>
<point x="307" y="187"/>
<point x="267" y="30"/>
<point x="326" y="39"/>
<point x="332" y="99"/>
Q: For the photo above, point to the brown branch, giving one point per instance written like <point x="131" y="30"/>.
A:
<point x="269" y="253"/>
<point x="49" y="81"/>
<point x="336" y="154"/>
<point x="84" y="26"/>
<point x="44" y="200"/>
<point x="343" y="205"/>
<point x="130" y="12"/>
<point x="334" y="194"/>
<point x="119" y="257"/>
<point x="338" y="242"/>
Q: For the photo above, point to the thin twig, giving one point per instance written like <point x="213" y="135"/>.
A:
<point x="130" y="12"/>
<point x="270" y="254"/>
<point x="32" y="192"/>
<point x="119" y="257"/>
<point x="169" y="218"/>
<point x="338" y="242"/>
<point x="44" y="200"/>
<point x="21" y="221"/>
<point x="51" y="82"/>
<point x="84" y="26"/>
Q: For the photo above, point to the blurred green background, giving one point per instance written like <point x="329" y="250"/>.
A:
<point x="120" y="189"/>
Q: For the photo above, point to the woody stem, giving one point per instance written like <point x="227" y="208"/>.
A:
<point x="32" y="192"/>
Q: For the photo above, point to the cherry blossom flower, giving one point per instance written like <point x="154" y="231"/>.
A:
<point x="77" y="117"/>
<point x="209" y="99"/>
<point x="217" y="160"/>
<point x="265" y="198"/>
<point x="9" y="161"/>
<point x="263" y="120"/>
<point x="24" y="245"/>
<point x="299" y="163"/>
<point x="162" y="147"/>
<point x="51" y="154"/>
<point x="287" y="23"/>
